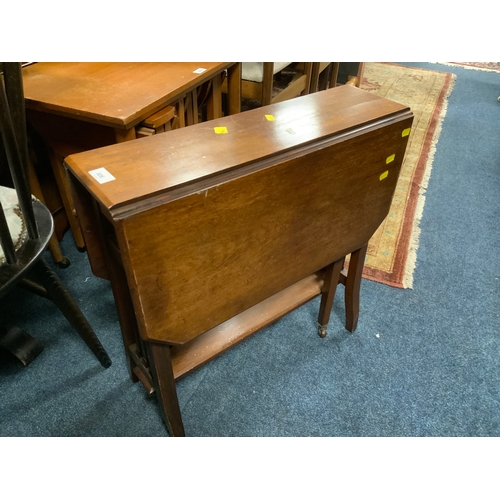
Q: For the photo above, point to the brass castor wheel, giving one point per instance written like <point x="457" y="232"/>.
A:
<point x="322" y="331"/>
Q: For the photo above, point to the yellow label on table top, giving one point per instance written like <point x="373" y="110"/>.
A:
<point x="270" y="118"/>
<point x="220" y="130"/>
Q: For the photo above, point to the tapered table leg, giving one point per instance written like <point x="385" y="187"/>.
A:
<point x="125" y="310"/>
<point x="234" y="88"/>
<point x="352" y="287"/>
<point x="214" y="101"/>
<point x="164" y="384"/>
<point x="63" y="185"/>
<point x="331" y="280"/>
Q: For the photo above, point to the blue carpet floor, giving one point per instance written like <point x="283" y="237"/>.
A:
<point x="423" y="361"/>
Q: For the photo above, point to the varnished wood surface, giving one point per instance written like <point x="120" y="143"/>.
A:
<point x="215" y="253"/>
<point x="118" y="95"/>
<point x="187" y="159"/>
<point x="217" y="235"/>
<point x="200" y="246"/>
<point x="189" y="356"/>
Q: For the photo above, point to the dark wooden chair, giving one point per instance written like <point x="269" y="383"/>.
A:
<point x="26" y="226"/>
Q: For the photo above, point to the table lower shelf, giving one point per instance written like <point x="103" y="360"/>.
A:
<point x="187" y="357"/>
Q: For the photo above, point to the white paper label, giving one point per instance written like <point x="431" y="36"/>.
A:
<point x="101" y="175"/>
<point x="199" y="71"/>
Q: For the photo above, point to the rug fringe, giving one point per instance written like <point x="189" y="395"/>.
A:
<point x="458" y="65"/>
<point x="411" y="261"/>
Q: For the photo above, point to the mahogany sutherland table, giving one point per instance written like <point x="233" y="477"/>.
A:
<point x="212" y="232"/>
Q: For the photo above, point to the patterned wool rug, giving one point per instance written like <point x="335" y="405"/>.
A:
<point x="392" y="251"/>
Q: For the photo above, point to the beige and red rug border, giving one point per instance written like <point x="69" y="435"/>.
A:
<point x="406" y="249"/>
<point x="478" y="66"/>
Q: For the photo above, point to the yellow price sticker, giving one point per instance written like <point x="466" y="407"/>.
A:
<point x="220" y="130"/>
<point x="384" y="175"/>
<point x="406" y="132"/>
<point x="390" y="159"/>
<point x="270" y="118"/>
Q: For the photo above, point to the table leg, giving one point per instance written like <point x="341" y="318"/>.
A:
<point x="181" y="114"/>
<point x="54" y="247"/>
<point x="234" y="88"/>
<point x="352" y="287"/>
<point x="89" y="219"/>
<point x="164" y="383"/>
<point x="124" y="308"/>
<point x="63" y="186"/>
<point x="124" y="135"/>
<point x="331" y="280"/>
<point x="194" y="97"/>
<point x="214" y="101"/>
<point x="314" y="83"/>
<point x="192" y="108"/>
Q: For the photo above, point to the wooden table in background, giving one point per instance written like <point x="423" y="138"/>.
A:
<point x="80" y="106"/>
<point x="223" y="227"/>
